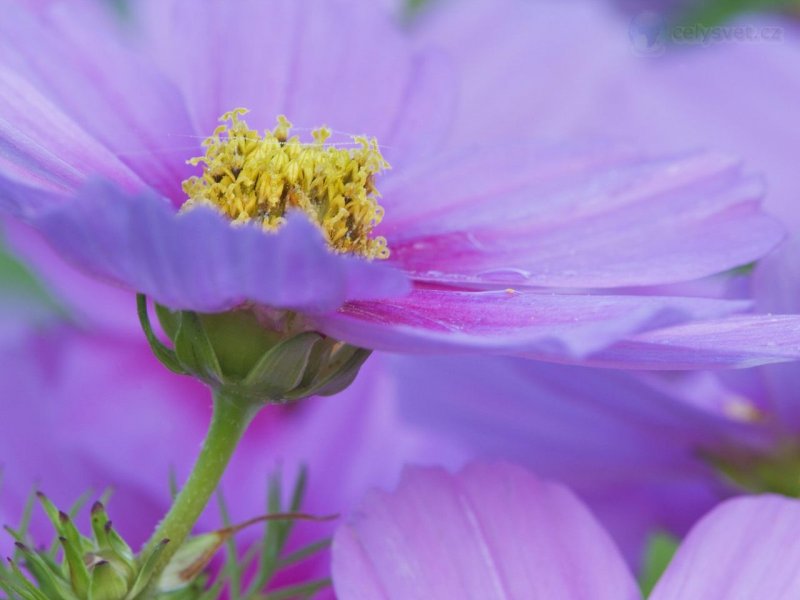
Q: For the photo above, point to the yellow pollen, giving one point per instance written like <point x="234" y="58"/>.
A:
<point x="249" y="177"/>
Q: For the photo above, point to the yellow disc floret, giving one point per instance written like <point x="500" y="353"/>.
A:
<point x="249" y="177"/>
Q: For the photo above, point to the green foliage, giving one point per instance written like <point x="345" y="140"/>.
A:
<point x="716" y="12"/>
<point x="661" y="547"/>
<point x="21" y="290"/>
<point x="104" y="567"/>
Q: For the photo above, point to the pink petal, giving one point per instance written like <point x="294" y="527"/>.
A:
<point x="492" y="531"/>
<point x="538" y="324"/>
<point x="342" y="64"/>
<point x="43" y="147"/>
<point x="593" y="217"/>
<point x="74" y="54"/>
<point x="739" y="342"/>
<point x="776" y="290"/>
<point x="746" y="548"/>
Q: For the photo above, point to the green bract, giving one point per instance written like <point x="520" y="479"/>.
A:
<point x="101" y="567"/>
<point x="104" y="567"/>
<point x="239" y="354"/>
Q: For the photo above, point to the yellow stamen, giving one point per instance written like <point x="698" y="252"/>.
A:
<point x="250" y="177"/>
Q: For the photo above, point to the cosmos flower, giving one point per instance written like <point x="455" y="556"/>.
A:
<point x="496" y="531"/>
<point x="493" y="244"/>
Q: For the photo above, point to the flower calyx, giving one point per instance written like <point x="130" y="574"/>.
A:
<point x="253" y="355"/>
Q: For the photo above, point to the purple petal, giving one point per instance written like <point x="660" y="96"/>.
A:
<point x="627" y="448"/>
<point x="738" y="342"/>
<point x="492" y="531"/>
<point x="89" y="301"/>
<point x="592" y="218"/>
<point x="776" y="281"/>
<point x="346" y="65"/>
<point x="585" y="427"/>
<point x="776" y="290"/>
<point x="694" y="96"/>
<point x="75" y="56"/>
<point x="543" y="325"/>
<point x="526" y="67"/>
<point x="41" y="146"/>
<point x="73" y="421"/>
<point x="746" y="548"/>
<point x="198" y="260"/>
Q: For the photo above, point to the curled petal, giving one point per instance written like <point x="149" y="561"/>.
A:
<point x="551" y="326"/>
<point x="197" y="260"/>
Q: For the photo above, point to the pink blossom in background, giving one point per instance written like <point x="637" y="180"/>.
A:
<point x="574" y="68"/>
<point x="496" y="531"/>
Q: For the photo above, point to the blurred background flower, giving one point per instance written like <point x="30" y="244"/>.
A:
<point x="496" y="531"/>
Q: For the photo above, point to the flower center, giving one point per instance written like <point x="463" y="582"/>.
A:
<point x="250" y="177"/>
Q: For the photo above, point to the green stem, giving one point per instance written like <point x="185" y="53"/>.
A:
<point x="228" y="423"/>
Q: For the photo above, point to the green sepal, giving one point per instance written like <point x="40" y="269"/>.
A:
<point x="50" y="580"/>
<point x="254" y="355"/>
<point x="167" y="357"/>
<point x="21" y="586"/>
<point x="50" y="510"/>
<point x="78" y="573"/>
<point x="71" y="542"/>
<point x="194" y="350"/>
<point x="110" y="546"/>
<point x="337" y="376"/>
<point x="122" y="551"/>
<point x="107" y="583"/>
<point x="282" y="368"/>
<point x="146" y="572"/>
<point x="99" y="521"/>
<point x="170" y="320"/>
<point x="107" y="537"/>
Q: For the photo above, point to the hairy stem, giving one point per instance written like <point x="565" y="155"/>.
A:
<point x="228" y="423"/>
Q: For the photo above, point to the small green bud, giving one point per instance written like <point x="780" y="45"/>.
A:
<point x="102" y="567"/>
<point x="107" y="582"/>
<point x="254" y="354"/>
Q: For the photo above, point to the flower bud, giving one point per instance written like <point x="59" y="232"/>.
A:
<point x="253" y="354"/>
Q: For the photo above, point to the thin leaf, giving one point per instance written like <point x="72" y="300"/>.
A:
<point x="303" y="590"/>
<point x="232" y="567"/>
<point x="22" y="586"/>
<point x="269" y="548"/>
<point x="304" y="553"/>
<point x="50" y="582"/>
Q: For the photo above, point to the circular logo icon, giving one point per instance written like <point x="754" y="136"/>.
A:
<point x="647" y="34"/>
